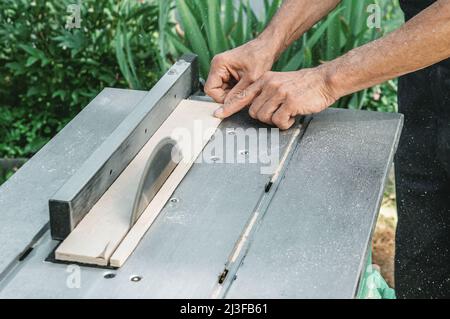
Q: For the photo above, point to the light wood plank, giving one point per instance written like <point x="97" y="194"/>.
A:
<point x="103" y="237"/>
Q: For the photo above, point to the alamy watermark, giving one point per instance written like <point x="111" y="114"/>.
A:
<point x="374" y="18"/>
<point x="73" y="19"/>
<point x="230" y="146"/>
<point x="73" y="280"/>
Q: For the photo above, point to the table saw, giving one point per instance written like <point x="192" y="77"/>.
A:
<point x="227" y="230"/>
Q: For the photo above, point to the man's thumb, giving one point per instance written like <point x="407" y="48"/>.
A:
<point x="236" y="99"/>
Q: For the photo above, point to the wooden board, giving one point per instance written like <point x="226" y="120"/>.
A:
<point x="103" y="237"/>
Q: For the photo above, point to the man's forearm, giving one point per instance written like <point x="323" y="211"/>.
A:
<point x="423" y="41"/>
<point x="294" y="18"/>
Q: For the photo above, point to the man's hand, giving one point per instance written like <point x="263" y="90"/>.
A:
<point x="277" y="98"/>
<point x="233" y="71"/>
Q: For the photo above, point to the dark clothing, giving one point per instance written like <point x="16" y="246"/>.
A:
<point x="422" y="165"/>
<point x="413" y="7"/>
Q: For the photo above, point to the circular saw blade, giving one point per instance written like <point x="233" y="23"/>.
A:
<point x="160" y="165"/>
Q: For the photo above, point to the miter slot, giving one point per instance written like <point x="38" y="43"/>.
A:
<point x="242" y="245"/>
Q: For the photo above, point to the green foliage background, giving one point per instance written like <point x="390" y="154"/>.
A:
<point x="210" y="27"/>
<point x="49" y="73"/>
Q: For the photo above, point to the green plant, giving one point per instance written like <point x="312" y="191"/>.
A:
<point x="383" y="97"/>
<point x="8" y="167"/>
<point x="4" y="175"/>
<point x="211" y="27"/>
<point x="49" y="73"/>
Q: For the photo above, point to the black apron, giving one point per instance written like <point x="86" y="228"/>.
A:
<point x="422" y="165"/>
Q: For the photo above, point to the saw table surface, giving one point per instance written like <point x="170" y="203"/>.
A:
<point x="312" y="242"/>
